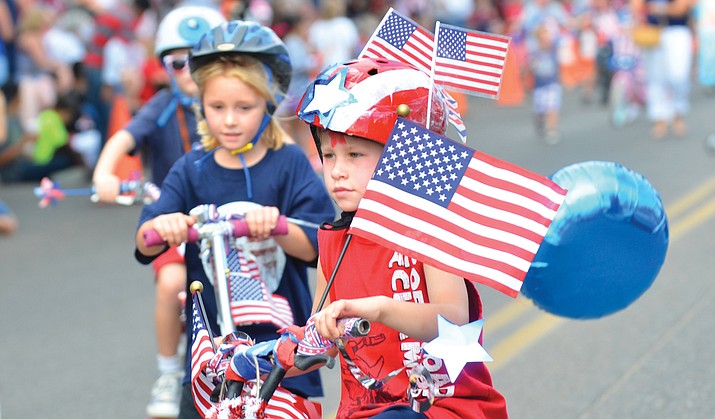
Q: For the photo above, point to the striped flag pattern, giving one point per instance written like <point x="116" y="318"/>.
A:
<point x="201" y="353"/>
<point x="251" y="302"/>
<point x="469" y="61"/>
<point x="398" y="38"/>
<point x="453" y="114"/>
<point x="457" y="209"/>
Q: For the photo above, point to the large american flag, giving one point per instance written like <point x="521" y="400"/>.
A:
<point x="469" y="61"/>
<point x="457" y="209"/>
<point x="251" y="302"/>
<point x="400" y="39"/>
<point x="201" y="353"/>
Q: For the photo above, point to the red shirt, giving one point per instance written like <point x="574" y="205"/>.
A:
<point x="369" y="269"/>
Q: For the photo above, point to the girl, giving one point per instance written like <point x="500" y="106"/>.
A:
<point x="241" y="69"/>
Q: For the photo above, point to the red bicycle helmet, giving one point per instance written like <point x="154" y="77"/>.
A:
<point x="361" y="97"/>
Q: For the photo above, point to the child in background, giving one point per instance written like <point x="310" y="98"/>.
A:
<point x="544" y="66"/>
<point x="163" y="129"/>
<point x="41" y="154"/>
<point x="8" y="222"/>
<point x="350" y="136"/>
<point x="242" y="69"/>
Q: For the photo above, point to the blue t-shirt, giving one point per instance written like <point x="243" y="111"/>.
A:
<point x="163" y="144"/>
<point x="544" y="67"/>
<point x="284" y="179"/>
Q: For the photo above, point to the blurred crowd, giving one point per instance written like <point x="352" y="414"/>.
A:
<point x="66" y="65"/>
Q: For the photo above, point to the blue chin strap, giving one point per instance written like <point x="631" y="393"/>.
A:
<point x="178" y="97"/>
<point x="264" y="123"/>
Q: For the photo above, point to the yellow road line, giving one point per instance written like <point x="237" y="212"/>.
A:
<point x="702" y="214"/>
<point x="689" y="200"/>
<point x="507" y="314"/>
<point x="514" y="344"/>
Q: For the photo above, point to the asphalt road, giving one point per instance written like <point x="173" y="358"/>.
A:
<point x="76" y="310"/>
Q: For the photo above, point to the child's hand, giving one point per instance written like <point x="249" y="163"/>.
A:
<point x="261" y="221"/>
<point x="173" y="228"/>
<point x="106" y="186"/>
<point x="326" y="320"/>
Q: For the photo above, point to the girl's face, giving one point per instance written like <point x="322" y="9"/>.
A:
<point x="233" y="111"/>
<point x="348" y="164"/>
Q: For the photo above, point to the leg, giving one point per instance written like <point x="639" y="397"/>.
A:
<point x="170" y="281"/>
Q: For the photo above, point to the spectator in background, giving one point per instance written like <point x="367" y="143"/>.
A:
<point x="47" y="151"/>
<point x="305" y="66"/>
<point x="668" y="66"/>
<point x="544" y="66"/>
<point x="8" y="222"/>
<point x="118" y="17"/>
<point x="333" y="35"/>
<point x="39" y="77"/>
<point x="7" y="33"/>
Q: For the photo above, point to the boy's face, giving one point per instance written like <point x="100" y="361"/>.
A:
<point x="233" y="110"/>
<point x="177" y="64"/>
<point x="348" y="164"/>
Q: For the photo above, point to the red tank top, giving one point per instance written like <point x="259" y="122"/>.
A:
<point x="369" y="269"/>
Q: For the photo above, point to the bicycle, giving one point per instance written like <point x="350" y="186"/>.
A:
<point x="132" y="191"/>
<point x="237" y="398"/>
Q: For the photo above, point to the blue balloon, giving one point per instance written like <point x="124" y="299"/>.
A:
<point x="605" y="246"/>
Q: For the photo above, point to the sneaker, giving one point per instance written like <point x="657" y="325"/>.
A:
<point x="165" y="397"/>
<point x="552" y="137"/>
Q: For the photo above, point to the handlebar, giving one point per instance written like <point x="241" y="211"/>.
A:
<point x="238" y="228"/>
<point x="354" y="327"/>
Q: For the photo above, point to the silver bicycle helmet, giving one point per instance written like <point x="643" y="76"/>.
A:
<point x="184" y="26"/>
<point x="248" y="38"/>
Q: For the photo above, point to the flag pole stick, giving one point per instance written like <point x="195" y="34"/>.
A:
<point x="197" y="288"/>
<point x="332" y="275"/>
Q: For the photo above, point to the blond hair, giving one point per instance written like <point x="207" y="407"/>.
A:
<point x="250" y="71"/>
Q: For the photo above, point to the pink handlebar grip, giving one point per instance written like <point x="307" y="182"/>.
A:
<point x="240" y="229"/>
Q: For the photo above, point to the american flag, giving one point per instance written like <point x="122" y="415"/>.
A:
<point x="250" y="300"/>
<point x="201" y="353"/>
<point x="287" y="405"/>
<point x="398" y="38"/>
<point x="457" y="209"/>
<point x="453" y="114"/>
<point x="469" y="61"/>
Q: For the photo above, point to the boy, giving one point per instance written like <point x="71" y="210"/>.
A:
<point x="351" y="109"/>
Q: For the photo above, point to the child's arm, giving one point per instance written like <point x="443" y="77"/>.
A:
<point x="261" y="221"/>
<point x="105" y="182"/>
<point x="172" y="228"/>
<point x="448" y="297"/>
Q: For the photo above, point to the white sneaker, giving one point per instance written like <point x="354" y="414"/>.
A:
<point x="165" y="397"/>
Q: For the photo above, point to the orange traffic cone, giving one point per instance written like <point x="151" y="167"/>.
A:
<point x="512" y="87"/>
<point x="128" y="167"/>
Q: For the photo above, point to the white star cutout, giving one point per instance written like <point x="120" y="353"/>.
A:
<point x="326" y="97"/>
<point x="457" y="345"/>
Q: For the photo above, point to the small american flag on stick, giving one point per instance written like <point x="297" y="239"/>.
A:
<point x="398" y="38"/>
<point x="201" y="353"/>
<point x="457" y="209"/>
<point x="469" y="61"/>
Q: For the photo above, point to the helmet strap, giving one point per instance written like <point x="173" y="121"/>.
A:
<point x="249" y="146"/>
